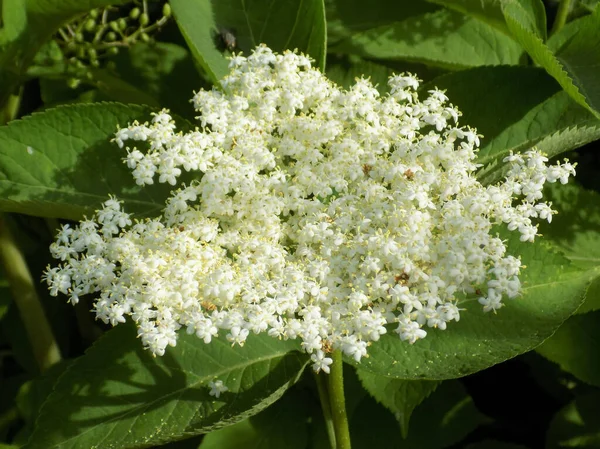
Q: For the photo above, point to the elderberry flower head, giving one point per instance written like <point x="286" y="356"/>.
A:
<point x="317" y="213"/>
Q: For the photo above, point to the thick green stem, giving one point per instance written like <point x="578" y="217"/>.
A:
<point x="321" y="380"/>
<point x="10" y="109"/>
<point x="14" y="267"/>
<point x="561" y="16"/>
<point x="338" y="401"/>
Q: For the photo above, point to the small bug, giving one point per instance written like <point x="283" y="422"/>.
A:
<point x="402" y="278"/>
<point x="208" y="305"/>
<point x="226" y="39"/>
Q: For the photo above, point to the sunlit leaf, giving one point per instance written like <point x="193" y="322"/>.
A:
<point x="119" y="395"/>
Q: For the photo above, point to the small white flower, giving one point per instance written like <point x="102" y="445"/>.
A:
<point x="216" y="388"/>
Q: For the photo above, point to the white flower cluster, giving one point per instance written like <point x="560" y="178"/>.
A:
<point x="317" y="213"/>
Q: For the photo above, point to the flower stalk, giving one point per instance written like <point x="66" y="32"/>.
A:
<point x="14" y="267"/>
<point x="561" y="16"/>
<point x="322" y="386"/>
<point x="335" y="381"/>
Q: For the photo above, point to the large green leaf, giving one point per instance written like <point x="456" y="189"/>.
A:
<point x="575" y="66"/>
<point x="488" y="11"/>
<point x="552" y="290"/>
<point x="347" y="17"/>
<point x="282" y="425"/>
<point x="118" y="395"/>
<point x="574" y="230"/>
<point x="533" y="113"/>
<point x="493" y="98"/>
<point x="443" y="419"/>
<point x="286" y="24"/>
<point x="555" y="126"/>
<point x="61" y="163"/>
<point x="400" y="396"/>
<point x="437" y="39"/>
<point x="26" y="26"/>
<point x="575" y="347"/>
<point x="345" y="72"/>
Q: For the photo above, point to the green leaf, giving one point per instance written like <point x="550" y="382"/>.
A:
<point x="556" y="116"/>
<point x="27" y="25"/>
<point x="577" y="424"/>
<point x="574" y="230"/>
<point x="347" y="17"/>
<point x="533" y="113"/>
<point x="118" y="395"/>
<point x="281" y="25"/>
<point x="555" y="126"/>
<point x="158" y="75"/>
<point x="163" y="70"/>
<point x="488" y="11"/>
<point x="589" y="4"/>
<point x="344" y="73"/>
<point x="552" y="290"/>
<point x="61" y="163"/>
<point x="575" y="66"/>
<point x="34" y="393"/>
<point x="480" y="93"/>
<point x="399" y="396"/>
<point x="575" y="347"/>
<point x="449" y="410"/>
<point x="282" y="425"/>
<point x="530" y="13"/>
<point x="557" y="40"/>
<point x="437" y="39"/>
<point x="115" y="88"/>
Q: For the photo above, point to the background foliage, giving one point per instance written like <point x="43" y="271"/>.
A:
<point x="524" y="72"/>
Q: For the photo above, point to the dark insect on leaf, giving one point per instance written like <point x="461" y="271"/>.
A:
<point x="225" y="39"/>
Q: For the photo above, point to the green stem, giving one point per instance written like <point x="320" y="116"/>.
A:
<point x="321" y="380"/>
<point x="561" y="16"/>
<point x="11" y="108"/>
<point x="14" y="267"/>
<point x="338" y="401"/>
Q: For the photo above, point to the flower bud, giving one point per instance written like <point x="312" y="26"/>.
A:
<point x="144" y="19"/>
<point x="134" y="13"/>
<point x="90" y="24"/>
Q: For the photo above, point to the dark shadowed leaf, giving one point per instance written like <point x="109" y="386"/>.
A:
<point x="444" y="418"/>
<point x="577" y="424"/>
<point x="399" y="396"/>
<point x="282" y="425"/>
<point x="575" y="347"/>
